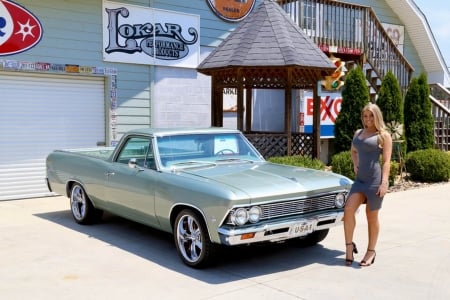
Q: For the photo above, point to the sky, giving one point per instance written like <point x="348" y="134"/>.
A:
<point x="437" y="13"/>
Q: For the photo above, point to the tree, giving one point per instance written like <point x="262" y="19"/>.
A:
<point x="390" y="99"/>
<point x="419" y="122"/>
<point x="390" y="102"/>
<point x="355" y="95"/>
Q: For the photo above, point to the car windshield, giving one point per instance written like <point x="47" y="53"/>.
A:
<point x="189" y="150"/>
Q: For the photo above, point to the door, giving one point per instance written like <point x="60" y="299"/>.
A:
<point x="130" y="188"/>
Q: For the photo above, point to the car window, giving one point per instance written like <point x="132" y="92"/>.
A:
<point x="136" y="148"/>
<point x="225" y="144"/>
<point x="204" y="147"/>
<point x="150" y="158"/>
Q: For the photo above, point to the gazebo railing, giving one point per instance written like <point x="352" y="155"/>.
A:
<point x="271" y="144"/>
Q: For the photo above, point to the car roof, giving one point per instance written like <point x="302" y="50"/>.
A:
<point x="177" y="131"/>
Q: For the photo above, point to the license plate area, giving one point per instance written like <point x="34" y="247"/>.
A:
<point x="301" y="229"/>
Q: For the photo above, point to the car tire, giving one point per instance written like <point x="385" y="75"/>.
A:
<point x="312" y="238"/>
<point x="192" y="240"/>
<point x="81" y="206"/>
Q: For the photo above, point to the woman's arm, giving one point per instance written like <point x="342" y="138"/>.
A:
<point x="386" y="157"/>
<point x="386" y="164"/>
<point x="354" y="155"/>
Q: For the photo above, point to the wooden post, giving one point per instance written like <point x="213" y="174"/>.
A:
<point x="288" y="110"/>
<point x="216" y="103"/>
<point x="240" y="102"/>
<point x="316" y="120"/>
<point x="213" y="102"/>
<point x="248" y="110"/>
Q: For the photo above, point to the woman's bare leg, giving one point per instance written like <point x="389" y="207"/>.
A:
<point x="352" y="205"/>
<point x="373" y="226"/>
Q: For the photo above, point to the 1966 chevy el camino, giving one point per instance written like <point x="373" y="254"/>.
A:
<point x="208" y="187"/>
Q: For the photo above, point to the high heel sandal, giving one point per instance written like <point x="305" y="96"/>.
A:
<point x="365" y="263"/>
<point x="349" y="262"/>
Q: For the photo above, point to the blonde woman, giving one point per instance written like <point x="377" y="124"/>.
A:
<point x="371" y="182"/>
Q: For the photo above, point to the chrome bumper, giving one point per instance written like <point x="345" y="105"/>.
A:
<point x="279" y="231"/>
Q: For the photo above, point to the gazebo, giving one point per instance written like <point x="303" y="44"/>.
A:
<point x="267" y="51"/>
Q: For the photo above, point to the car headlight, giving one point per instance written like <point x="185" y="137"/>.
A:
<point x="254" y="214"/>
<point x="240" y="216"/>
<point x="339" y="201"/>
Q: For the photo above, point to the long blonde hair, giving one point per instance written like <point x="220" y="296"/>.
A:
<point x="378" y="120"/>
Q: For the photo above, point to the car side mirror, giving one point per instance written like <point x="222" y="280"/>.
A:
<point x="132" y="163"/>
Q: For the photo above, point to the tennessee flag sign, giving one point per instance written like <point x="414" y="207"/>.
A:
<point x="20" y="30"/>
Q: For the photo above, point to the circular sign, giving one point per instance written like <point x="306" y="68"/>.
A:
<point x="231" y="10"/>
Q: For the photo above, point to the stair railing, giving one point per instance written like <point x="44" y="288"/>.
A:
<point x="351" y="29"/>
<point x="440" y="106"/>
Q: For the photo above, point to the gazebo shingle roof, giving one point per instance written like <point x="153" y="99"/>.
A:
<point x="267" y="37"/>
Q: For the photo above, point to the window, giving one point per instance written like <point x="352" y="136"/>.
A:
<point x="136" y="148"/>
<point x="206" y="147"/>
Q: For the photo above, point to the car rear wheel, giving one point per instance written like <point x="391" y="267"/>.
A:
<point x="192" y="240"/>
<point x="81" y="206"/>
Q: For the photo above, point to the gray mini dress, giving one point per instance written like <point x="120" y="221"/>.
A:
<point x="368" y="179"/>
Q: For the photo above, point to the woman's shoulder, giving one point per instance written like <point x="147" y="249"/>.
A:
<point x="385" y="134"/>
<point x="358" y="131"/>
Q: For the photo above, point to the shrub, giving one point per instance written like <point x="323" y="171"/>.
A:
<point x="394" y="171"/>
<point x="342" y="163"/>
<point x="429" y="165"/>
<point x="298" y="161"/>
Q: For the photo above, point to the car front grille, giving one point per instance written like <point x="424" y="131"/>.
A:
<point x="295" y="207"/>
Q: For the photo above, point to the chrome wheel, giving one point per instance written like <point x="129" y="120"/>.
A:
<point x="78" y="202"/>
<point x="82" y="209"/>
<point x="191" y="239"/>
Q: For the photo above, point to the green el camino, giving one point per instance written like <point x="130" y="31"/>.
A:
<point x="208" y="187"/>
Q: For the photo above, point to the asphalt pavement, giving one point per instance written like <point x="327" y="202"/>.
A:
<point x="44" y="254"/>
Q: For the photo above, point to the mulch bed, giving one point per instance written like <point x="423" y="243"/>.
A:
<point x="404" y="183"/>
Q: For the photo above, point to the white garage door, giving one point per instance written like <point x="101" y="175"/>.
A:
<point x="39" y="114"/>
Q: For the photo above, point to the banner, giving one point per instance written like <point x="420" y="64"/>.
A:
<point x="141" y="35"/>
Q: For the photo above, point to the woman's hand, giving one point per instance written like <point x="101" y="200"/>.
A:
<point x="383" y="188"/>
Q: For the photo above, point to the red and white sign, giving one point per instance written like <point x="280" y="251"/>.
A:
<point x="329" y="109"/>
<point x="330" y="106"/>
<point x="20" y="30"/>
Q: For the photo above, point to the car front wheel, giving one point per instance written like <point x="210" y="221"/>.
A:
<point x="192" y="240"/>
<point x="81" y="206"/>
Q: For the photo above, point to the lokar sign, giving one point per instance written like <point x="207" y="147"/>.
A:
<point x="133" y="34"/>
<point x="20" y="30"/>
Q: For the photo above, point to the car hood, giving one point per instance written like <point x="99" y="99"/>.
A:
<point x="259" y="180"/>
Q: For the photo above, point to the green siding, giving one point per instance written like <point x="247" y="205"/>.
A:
<point x="212" y="29"/>
<point x="73" y="35"/>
